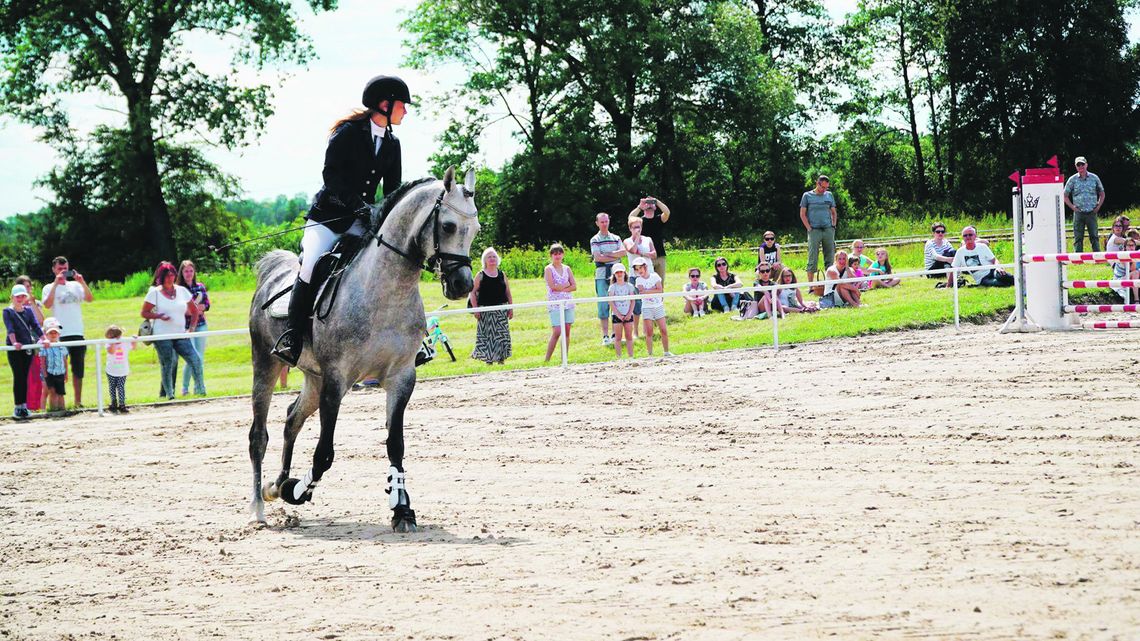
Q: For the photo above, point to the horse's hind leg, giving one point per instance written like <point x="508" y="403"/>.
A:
<point x="265" y="373"/>
<point x="299" y="411"/>
<point x="398" y="388"/>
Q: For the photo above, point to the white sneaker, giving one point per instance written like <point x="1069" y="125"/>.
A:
<point x="670" y="354"/>
<point x="607" y="341"/>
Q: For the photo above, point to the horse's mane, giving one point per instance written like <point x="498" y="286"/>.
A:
<point x="381" y="212"/>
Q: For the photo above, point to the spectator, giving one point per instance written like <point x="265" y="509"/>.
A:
<point x="283" y="379"/>
<point x="769" y="251"/>
<point x="854" y="270"/>
<point x="654" y="214"/>
<point x="765" y="303"/>
<point x="622" y="310"/>
<point x="696" y="305"/>
<point x="37" y="393"/>
<point x="938" y="253"/>
<point x="840" y="294"/>
<point x="53" y="357"/>
<point x="653" y="311"/>
<point x="606" y="249"/>
<point x="1084" y="194"/>
<point x="882" y="267"/>
<point x="65" y="296"/>
<point x="1116" y="239"/>
<point x="973" y="253"/>
<point x="819" y="217"/>
<point x="167" y="305"/>
<point x="638" y="245"/>
<point x="791" y="297"/>
<point x="118" y="367"/>
<point x="722" y="281"/>
<point x="22" y="329"/>
<point x="1132" y="271"/>
<point x="492" y="330"/>
<point x="188" y="278"/>
<point x="856" y="258"/>
<point x="560" y="285"/>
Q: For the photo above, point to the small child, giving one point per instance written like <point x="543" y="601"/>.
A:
<point x="653" y="307"/>
<point x="118" y="366"/>
<point x="695" y="303"/>
<point x="791" y="298"/>
<point x="54" y="365"/>
<point x="622" y="310"/>
<point x="882" y="266"/>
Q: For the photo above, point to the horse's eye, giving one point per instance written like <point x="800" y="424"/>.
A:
<point x="449" y="228"/>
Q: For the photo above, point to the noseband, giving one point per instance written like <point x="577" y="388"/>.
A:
<point x="441" y="263"/>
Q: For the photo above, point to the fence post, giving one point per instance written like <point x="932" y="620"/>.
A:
<point x="99" y="377"/>
<point x="562" y="332"/>
<point x="955" y="277"/>
<point x="775" y="307"/>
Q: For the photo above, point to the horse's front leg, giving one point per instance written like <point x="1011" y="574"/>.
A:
<point x="298" y="491"/>
<point x="299" y="410"/>
<point x="398" y="388"/>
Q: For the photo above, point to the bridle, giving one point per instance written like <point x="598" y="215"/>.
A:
<point x="443" y="264"/>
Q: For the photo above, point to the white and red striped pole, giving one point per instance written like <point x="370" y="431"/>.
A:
<point x="1082" y="258"/>
<point x="1113" y="325"/>
<point x="1098" y="284"/>
<point x="1100" y="309"/>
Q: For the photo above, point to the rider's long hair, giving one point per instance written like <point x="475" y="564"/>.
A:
<point x="356" y="116"/>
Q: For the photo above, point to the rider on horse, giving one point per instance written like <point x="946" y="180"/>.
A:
<point x="362" y="151"/>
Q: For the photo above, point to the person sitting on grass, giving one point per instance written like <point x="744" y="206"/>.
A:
<point x="621" y="317"/>
<point x="54" y="357"/>
<point x="882" y="267"/>
<point x="696" y="305"/>
<point x="840" y="294"/>
<point x="653" y="309"/>
<point x="938" y="253"/>
<point x="975" y="254"/>
<point x="722" y="281"/>
<point x="1130" y="271"/>
<point x="763" y="303"/>
<point x="791" y="298"/>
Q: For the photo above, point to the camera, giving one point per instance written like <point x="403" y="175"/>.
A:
<point x="69" y="274"/>
<point x="651" y="201"/>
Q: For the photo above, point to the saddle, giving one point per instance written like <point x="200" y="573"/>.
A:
<point x="326" y="277"/>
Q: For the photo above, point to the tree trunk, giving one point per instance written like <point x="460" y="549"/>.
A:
<point x="148" y="181"/>
<point x="934" y="126"/>
<point x="916" y="142"/>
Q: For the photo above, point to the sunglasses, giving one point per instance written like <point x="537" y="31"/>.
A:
<point x="968" y="235"/>
<point x="763" y="271"/>
<point x="940" y="231"/>
<point x="722" y="264"/>
<point x="769" y="238"/>
<point x="694" y="275"/>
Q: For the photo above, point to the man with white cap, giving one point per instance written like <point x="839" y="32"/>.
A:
<point x="1084" y="194"/>
<point x="22" y="329"/>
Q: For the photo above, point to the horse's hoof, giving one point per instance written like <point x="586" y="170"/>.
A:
<point x="287" y="493"/>
<point x="270" y="492"/>
<point x="403" y="520"/>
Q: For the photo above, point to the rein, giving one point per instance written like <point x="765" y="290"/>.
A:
<point x="442" y="263"/>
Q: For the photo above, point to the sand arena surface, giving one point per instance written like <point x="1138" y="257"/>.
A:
<point x="924" y="484"/>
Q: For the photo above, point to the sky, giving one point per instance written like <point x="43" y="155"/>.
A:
<point x="362" y="38"/>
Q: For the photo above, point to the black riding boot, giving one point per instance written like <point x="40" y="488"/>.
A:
<point x="288" y="347"/>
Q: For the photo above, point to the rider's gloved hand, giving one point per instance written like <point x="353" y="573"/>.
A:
<point x="363" y="212"/>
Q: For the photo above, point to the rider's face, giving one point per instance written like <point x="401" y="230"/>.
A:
<point x="399" y="110"/>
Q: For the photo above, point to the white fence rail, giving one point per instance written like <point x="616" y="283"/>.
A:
<point x="772" y="289"/>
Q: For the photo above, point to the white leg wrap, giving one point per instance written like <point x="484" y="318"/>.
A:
<point x="307" y="484"/>
<point x="395" y="484"/>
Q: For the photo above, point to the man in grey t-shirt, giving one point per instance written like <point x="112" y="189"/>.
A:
<point x="817" y="212"/>
<point x="1084" y="194"/>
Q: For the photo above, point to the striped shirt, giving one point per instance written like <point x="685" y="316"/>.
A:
<point x="607" y="244"/>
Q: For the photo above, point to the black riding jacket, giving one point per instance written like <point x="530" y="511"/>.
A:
<point x="352" y="173"/>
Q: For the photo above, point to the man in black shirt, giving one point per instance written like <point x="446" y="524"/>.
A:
<point x="654" y="214"/>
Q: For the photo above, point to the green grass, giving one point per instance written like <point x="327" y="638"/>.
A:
<point x="913" y="304"/>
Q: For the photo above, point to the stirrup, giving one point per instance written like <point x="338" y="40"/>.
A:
<point x="426" y="353"/>
<point x="287" y="349"/>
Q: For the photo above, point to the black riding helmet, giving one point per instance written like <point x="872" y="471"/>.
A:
<point x="385" y="88"/>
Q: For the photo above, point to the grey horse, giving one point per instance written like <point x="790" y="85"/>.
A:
<point x="374" y="328"/>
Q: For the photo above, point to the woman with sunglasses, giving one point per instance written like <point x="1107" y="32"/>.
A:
<point x="695" y="304"/>
<point x="769" y="251"/>
<point x="764" y="304"/>
<point x="938" y="253"/>
<point x="722" y="281"/>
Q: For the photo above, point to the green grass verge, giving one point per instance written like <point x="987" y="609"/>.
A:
<point x="913" y="304"/>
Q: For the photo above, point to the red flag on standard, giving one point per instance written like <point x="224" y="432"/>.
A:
<point x="1016" y="178"/>
<point x="1052" y="162"/>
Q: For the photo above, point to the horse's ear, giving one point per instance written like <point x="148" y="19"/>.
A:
<point x="469" y="181"/>
<point x="449" y="178"/>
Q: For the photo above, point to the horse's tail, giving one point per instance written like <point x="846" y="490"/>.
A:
<point x="274" y="261"/>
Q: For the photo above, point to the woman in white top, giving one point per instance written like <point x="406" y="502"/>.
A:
<point x="638" y="245"/>
<point x="166" y="306"/>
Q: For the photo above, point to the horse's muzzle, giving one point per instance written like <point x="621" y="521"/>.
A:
<point x="458" y="283"/>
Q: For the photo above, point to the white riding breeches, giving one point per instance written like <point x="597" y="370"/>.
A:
<point x="317" y="240"/>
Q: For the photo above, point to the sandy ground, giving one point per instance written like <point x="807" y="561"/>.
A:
<point x="926" y="484"/>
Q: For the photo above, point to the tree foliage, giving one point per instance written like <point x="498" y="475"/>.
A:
<point x="138" y="51"/>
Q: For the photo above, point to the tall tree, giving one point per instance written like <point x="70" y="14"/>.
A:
<point x="137" y="51"/>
